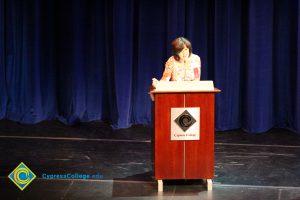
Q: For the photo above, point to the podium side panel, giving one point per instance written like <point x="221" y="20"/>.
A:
<point x="169" y="155"/>
<point x="200" y="153"/>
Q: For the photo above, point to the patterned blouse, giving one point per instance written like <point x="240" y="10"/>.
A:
<point x="180" y="71"/>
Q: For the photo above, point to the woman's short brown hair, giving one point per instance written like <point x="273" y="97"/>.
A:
<point x="178" y="45"/>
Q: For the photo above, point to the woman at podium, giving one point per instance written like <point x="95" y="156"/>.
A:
<point x="183" y="65"/>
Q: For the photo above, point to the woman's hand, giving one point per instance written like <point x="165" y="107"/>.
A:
<point x="154" y="82"/>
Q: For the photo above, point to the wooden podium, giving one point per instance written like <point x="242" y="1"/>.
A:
<point x="184" y="158"/>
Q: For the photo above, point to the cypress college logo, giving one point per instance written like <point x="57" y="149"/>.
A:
<point x="22" y="176"/>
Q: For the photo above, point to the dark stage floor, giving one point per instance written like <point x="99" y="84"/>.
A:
<point x="264" y="166"/>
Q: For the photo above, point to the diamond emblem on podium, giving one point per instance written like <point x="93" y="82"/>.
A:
<point x="185" y="120"/>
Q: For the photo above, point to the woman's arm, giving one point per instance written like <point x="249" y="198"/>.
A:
<point x="168" y="70"/>
<point x="196" y="64"/>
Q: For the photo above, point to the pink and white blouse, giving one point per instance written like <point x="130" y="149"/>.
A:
<point x="182" y="71"/>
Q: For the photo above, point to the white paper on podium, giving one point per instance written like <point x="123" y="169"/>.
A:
<point x="185" y="85"/>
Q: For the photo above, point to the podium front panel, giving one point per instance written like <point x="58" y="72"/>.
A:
<point x="199" y="154"/>
<point x="169" y="155"/>
<point x="184" y="159"/>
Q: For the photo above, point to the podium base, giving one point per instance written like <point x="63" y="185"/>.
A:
<point x="209" y="184"/>
<point x="160" y="185"/>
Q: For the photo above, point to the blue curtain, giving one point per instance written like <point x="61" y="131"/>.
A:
<point x="78" y="60"/>
<point x="3" y="94"/>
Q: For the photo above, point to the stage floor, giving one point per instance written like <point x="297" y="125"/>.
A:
<point x="247" y="166"/>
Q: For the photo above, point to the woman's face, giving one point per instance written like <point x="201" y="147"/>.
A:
<point x="184" y="53"/>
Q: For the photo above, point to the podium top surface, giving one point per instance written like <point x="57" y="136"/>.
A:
<point x="183" y="87"/>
